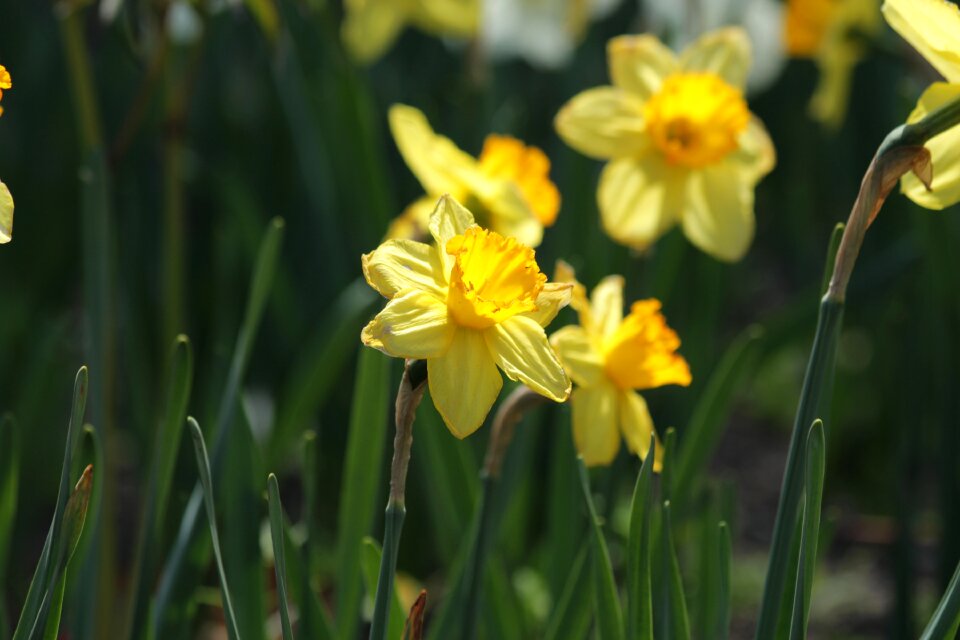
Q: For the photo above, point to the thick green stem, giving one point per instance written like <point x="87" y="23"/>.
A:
<point x="412" y="387"/>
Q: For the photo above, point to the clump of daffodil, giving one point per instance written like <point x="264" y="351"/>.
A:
<point x="508" y="187"/>
<point x="6" y="200"/>
<point x="933" y="28"/>
<point x="469" y="303"/>
<point x="835" y="34"/>
<point x="610" y="357"/>
<point x="682" y="144"/>
<point x="370" y="27"/>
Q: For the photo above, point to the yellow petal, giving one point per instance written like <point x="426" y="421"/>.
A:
<point x="448" y="17"/>
<point x="371" y="26"/>
<point x="944" y="153"/>
<point x="640" y="199"/>
<point x="606" y="305"/>
<point x="718" y="217"/>
<point x="436" y="161"/>
<point x="932" y="27"/>
<point x="605" y="122"/>
<point x="521" y="349"/>
<point x="404" y="264"/>
<point x="6" y="214"/>
<point x="725" y="52"/>
<point x="412" y="224"/>
<point x="637" y="426"/>
<point x="639" y="64"/>
<point x="414" y="324"/>
<point x="595" y="424"/>
<point x="755" y="152"/>
<point x="464" y="382"/>
<point x="509" y="213"/>
<point x="579" y="355"/>
<point x="553" y="297"/>
<point x="449" y="219"/>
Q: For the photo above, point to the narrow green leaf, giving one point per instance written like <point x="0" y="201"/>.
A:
<point x="810" y="534"/>
<point x="669" y="472"/>
<point x="300" y="591"/>
<point x="362" y="481"/>
<point x="370" y="568"/>
<point x="503" y="618"/>
<point x="279" y="555"/>
<point x="608" y="614"/>
<point x="43" y="582"/>
<point x="639" y="584"/>
<point x="310" y="625"/>
<point x="710" y="415"/>
<point x="9" y="477"/>
<point x="946" y="618"/>
<point x="832" y="247"/>
<point x="570" y="617"/>
<point x="721" y="630"/>
<point x="74" y="516"/>
<point x="203" y="465"/>
<point x="678" y="622"/>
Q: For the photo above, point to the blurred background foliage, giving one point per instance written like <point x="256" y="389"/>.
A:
<point x="213" y="122"/>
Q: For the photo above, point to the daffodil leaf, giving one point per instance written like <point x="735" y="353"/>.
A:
<point x="677" y="623"/>
<point x="570" y="617"/>
<point x="721" y="629"/>
<point x="810" y="533"/>
<point x="370" y="568"/>
<point x="279" y="553"/>
<point x="639" y="584"/>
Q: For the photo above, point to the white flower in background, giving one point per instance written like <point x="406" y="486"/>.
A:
<point x="543" y="32"/>
<point x="673" y="21"/>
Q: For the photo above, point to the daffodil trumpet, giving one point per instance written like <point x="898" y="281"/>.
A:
<point x="412" y="386"/>
<point x="901" y="153"/>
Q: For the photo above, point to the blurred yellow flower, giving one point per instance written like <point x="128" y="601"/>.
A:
<point x="932" y="27"/>
<point x="508" y="187"/>
<point x="371" y="26"/>
<point x="5" y="83"/>
<point x="470" y="303"/>
<point x="610" y="356"/>
<point x="835" y="34"/>
<point x="682" y="143"/>
<point x="6" y="200"/>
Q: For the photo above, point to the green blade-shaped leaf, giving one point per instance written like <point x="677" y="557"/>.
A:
<point x="370" y="568"/>
<point x="44" y="578"/>
<point x="639" y="583"/>
<point x="945" y="621"/>
<point x="721" y="629"/>
<point x="570" y="618"/>
<point x="678" y="622"/>
<point x="362" y="481"/>
<point x="206" y="482"/>
<point x="810" y="534"/>
<point x="9" y="477"/>
<point x="279" y="555"/>
<point x="607" y="612"/>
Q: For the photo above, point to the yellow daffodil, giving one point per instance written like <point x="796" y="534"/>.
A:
<point x="371" y="26"/>
<point x="610" y="357"/>
<point x="6" y="200"/>
<point x="508" y="187"/>
<point x="682" y="144"/>
<point x="834" y="33"/>
<point x="473" y="301"/>
<point x="933" y="28"/>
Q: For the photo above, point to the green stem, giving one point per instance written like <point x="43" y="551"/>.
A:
<point x="412" y="387"/>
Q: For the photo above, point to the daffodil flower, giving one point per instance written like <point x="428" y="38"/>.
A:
<point x="370" y="27"/>
<point x="682" y="144"/>
<point x="933" y="28"/>
<point x="834" y="33"/>
<point x="508" y="187"/>
<point x="6" y="200"/>
<point x="610" y="357"/>
<point x="470" y="303"/>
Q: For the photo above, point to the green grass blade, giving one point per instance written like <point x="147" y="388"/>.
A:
<point x="678" y="622"/>
<point x="203" y="465"/>
<point x="74" y="516"/>
<point x="639" y="583"/>
<point x="608" y="614"/>
<point x="9" y="477"/>
<point x="710" y="414"/>
<point x="370" y="568"/>
<point x="166" y="446"/>
<point x="946" y="618"/>
<point x="300" y="591"/>
<point x="362" y="481"/>
<point x="669" y="472"/>
<point x="43" y="578"/>
<point x="810" y="533"/>
<point x="721" y="629"/>
<point x="279" y="555"/>
<point x="570" y="617"/>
